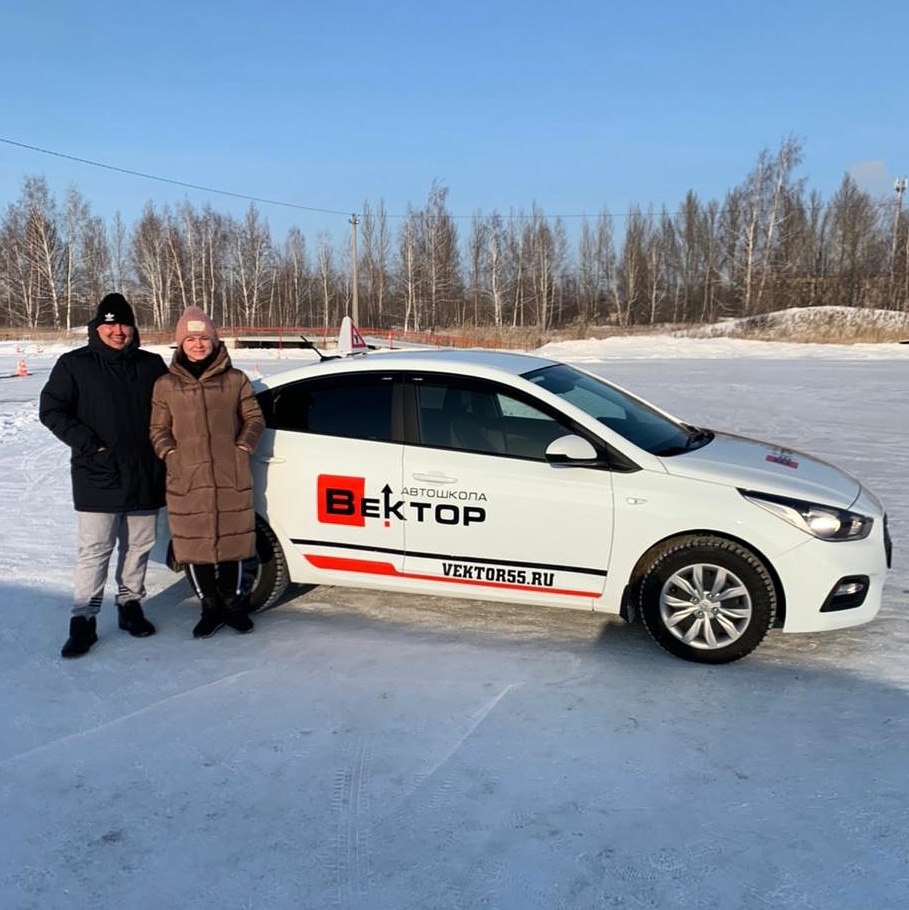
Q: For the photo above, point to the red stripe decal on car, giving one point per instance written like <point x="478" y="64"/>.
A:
<point x="370" y="567"/>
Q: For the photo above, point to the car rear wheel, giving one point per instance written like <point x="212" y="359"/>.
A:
<point x="271" y="578"/>
<point x="706" y="599"/>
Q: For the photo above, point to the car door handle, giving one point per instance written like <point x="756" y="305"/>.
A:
<point x="435" y="477"/>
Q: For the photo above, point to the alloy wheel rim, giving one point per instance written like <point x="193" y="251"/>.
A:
<point x="705" y="606"/>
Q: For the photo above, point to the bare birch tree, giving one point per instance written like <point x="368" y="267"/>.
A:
<point x="497" y="268"/>
<point x="441" y="258"/>
<point x="24" y="300"/>
<point x="327" y="279"/>
<point x="764" y="195"/>
<point x="120" y="255"/>
<point x="96" y="265"/>
<point x="296" y="280"/>
<point x="590" y="279"/>
<point x="858" y="249"/>
<point x="376" y="261"/>
<point x="152" y="264"/>
<point x="477" y="258"/>
<point x="409" y="276"/>
<point x="45" y="247"/>
<point x="75" y="219"/>
<point x="544" y="246"/>
<point x="252" y="260"/>
<point x="632" y="269"/>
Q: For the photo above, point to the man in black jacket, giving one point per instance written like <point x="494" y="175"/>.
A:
<point x="97" y="400"/>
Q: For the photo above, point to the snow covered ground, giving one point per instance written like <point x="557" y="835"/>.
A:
<point x="382" y="753"/>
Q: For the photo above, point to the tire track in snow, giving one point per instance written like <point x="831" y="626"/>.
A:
<point x="350" y="860"/>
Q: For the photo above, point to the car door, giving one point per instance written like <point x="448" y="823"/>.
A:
<point x="487" y="513"/>
<point x="326" y="469"/>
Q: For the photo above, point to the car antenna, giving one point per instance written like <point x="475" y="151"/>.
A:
<point x="308" y="345"/>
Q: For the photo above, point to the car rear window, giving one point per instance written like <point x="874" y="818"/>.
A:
<point x="354" y="407"/>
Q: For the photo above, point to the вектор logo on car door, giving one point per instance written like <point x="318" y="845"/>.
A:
<point x="342" y="500"/>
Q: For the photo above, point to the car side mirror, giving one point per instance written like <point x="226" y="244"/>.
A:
<point x="571" y="449"/>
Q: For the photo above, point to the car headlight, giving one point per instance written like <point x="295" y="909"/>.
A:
<point x="824" y="522"/>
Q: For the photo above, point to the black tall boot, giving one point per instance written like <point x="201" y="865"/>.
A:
<point x="82" y="635"/>
<point x="211" y="620"/>
<point x="235" y="615"/>
<point x="131" y="619"/>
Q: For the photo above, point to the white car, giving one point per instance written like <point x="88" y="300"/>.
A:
<point x="512" y="477"/>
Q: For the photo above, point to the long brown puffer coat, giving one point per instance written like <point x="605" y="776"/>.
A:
<point x="202" y="423"/>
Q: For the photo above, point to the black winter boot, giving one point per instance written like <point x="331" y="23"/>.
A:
<point x="236" y="616"/>
<point x="82" y="635"/>
<point x="211" y="620"/>
<point x="131" y="619"/>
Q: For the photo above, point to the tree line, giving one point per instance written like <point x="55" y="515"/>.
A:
<point x="770" y="244"/>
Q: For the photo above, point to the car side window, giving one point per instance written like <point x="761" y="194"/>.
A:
<point x="483" y="418"/>
<point x="353" y="407"/>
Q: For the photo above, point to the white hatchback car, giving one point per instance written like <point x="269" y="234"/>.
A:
<point x="512" y="477"/>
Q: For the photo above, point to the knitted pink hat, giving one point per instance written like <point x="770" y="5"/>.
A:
<point x="195" y="321"/>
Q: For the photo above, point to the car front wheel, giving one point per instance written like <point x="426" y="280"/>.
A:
<point x="706" y="599"/>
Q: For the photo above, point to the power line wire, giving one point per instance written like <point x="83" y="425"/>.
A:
<point x="192" y="186"/>
<point x="208" y="189"/>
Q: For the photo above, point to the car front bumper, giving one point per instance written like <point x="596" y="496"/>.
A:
<point x="810" y="573"/>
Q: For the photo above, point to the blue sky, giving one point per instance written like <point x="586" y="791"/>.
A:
<point x="573" y="106"/>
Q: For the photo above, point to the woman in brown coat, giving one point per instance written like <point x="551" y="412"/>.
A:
<point x="205" y="425"/>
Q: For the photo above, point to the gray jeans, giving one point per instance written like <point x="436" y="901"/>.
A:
<point x="134" y="535"/>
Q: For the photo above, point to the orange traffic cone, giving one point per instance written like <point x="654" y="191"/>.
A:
<point x="21" y="369"/>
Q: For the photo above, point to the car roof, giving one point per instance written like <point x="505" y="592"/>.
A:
<point x="478" y="361"/>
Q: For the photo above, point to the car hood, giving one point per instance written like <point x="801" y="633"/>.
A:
<point x="763" y="467"/>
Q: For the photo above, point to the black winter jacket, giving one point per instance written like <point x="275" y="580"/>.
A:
<point x="97" y="397"/>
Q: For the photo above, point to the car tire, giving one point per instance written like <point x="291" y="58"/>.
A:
<point x="706" y="599"/>
<point x="271" y="578"/>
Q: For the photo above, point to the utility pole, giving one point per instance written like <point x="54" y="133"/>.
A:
<point x="355" y="302"/>
<point x="900" y="186"/>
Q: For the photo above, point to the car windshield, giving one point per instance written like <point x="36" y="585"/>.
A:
<point x="623" y="413"/>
